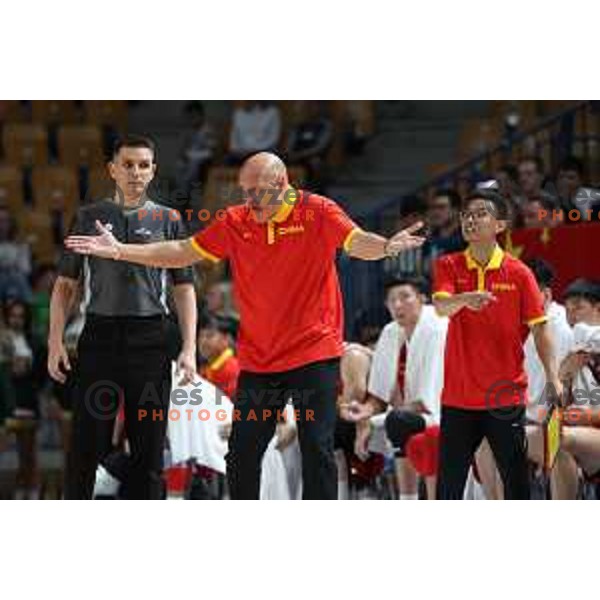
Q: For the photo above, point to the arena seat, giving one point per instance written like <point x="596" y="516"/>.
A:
<point x="62" y="112"/>
<point x="11" y="188"/>
<point x="80" y="145"/>
<point x="37" y="227"/>
<point x="106" y="112"/>
<point x="478" y="135"/>
<point x="55" y="187"/>
<point x="11" y="111"/>
<point x="25" y="144"/>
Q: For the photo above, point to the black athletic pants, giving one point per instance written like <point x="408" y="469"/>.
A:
<point x="120" y="358"/>
<point x="462" y="431"/>
<point x="260" y="399"/>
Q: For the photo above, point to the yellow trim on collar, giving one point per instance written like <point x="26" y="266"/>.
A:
<point x="283" y="212"/>
<point x="216" y="364"/>
<point x="494" y="263"/>
<point x="202" y="252"/>
<point x="288" y="203"/>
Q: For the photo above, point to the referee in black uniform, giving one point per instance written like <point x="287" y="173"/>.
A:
<point x="122" y="353"/>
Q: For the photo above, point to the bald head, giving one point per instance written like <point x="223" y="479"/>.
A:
<point x="264" y="169"/>
<point x="264" y="181"/>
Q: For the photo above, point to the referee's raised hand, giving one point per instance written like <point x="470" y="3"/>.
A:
<point x="103" y="245"/>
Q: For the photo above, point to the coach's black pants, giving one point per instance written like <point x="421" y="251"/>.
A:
<point x="313" y="390"/>
<point x="462" y="431"/>
<point x="120" y="358"/>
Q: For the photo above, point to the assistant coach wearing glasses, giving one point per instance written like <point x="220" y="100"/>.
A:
<point x="122" y="352"/>
<point x="281" y="245"/>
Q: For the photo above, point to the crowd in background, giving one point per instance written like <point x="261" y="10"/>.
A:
<point x="27" y="396"/>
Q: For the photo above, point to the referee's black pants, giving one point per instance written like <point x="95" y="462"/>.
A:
<point x="461" y="433"/>
<point x="120" y="358"/>
<point x="260" y="399"/>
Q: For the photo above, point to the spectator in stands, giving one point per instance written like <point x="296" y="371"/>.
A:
<point x="443" y="219"/>
<point x="6" y="390"/>
<point x="507" y="178"/>
<point x="508" y="181"/>
<point x="43" y="282"/>
<point x="573" y="195"/>
<point x="356" y="131"/>
<point x="15" y="261"/>
<point x="531" y="177"/>
<point x="198" y="148"/>
<point x="309" y="140"/>
<point x="540" y="212"/>
<point x="26" y="411"/>
<point x="255" y="127"/>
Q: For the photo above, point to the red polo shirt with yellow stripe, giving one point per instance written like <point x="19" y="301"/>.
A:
<point x="223" y="372"/>
<point x="483" y="365"/>
<point x="284" y="279"/>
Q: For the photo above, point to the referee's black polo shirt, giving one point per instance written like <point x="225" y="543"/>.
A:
<point x="122" y="289"/>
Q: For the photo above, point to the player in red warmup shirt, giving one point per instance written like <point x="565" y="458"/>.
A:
<point x="222" y="367"/>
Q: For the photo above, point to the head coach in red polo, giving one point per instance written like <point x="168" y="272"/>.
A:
<point x="281" y="244"/>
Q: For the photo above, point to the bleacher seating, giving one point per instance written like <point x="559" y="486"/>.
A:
<point x="55" y="188"/>
<point x="80" y="145"/>
<point x="106" y="112"/>
<point x="25" y="144"/>
<point x="11" y="188"/>
<point x="52" y="112"/>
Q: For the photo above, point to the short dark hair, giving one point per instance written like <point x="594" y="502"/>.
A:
<point x="537" y="161"/>
<point x="410" y="205"/>
<point x="542" y="271"/>
<point x="548" y="201"/>
<point x="587" y="289"/>
<point x="496" y="199"/>
<point x="217" y="323"/>
<point x="417" y="282"/>
<point x="11" y="303"/>
<point x="451" y="194"/>
<point x="571" y="163"/>
<point x="510" y="170"/>
<point x="132" y="140"/>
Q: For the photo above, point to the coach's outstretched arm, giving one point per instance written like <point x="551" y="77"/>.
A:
<point x="166" y="255"/>
<point x="372" y="246"/>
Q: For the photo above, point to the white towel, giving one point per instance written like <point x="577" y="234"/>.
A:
<point x="194" y="438"/>
<point x="424" y="378"/>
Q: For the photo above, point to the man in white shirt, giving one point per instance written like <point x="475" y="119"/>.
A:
<point x="407" y="372"/>
<point x="560" y="330"/>
<point x="256" y="127"/>
<point x="580" y="369"/>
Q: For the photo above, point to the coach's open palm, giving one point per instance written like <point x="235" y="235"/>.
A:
<point x="103" y="245"/>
